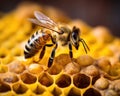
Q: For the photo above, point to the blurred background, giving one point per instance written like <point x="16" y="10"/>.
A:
<point x="93" y="12"/>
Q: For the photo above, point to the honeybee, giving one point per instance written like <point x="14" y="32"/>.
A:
<point x="59" y="35"/>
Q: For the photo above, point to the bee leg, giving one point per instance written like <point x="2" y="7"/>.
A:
<point x="52" y="56"/>
<point x="43" y="50"/>
<point x="70" y="51"/>
<point x="53" y="40"/>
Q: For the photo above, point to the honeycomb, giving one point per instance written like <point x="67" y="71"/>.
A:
<point x="92" y="74"/>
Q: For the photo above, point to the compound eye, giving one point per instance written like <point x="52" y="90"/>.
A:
<point x="74" y="35"/>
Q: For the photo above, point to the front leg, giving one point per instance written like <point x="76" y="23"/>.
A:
<point x="51" y="58"/>
<point x="70" y="50"/>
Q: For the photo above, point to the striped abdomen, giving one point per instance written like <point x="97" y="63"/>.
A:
<point x="35" y="43"/>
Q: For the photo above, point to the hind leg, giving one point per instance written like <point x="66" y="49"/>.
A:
<point x="42" y="53"/>
<point x="43" y="50"/>
<point x="51" y="58"/>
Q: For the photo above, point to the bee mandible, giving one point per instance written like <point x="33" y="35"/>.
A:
<point x="60" y="35"/>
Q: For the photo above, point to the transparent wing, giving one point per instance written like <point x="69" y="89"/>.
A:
<point x="35" y="21"/>
<point x="48" y="26"/>
<point x="44" y="19"/>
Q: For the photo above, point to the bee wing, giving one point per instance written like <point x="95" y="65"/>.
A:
<point x="48" y="26"/>
<point x="35" y="21"/>
<point x="44" y="19"/>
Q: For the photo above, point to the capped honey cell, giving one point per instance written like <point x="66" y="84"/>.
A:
<point x="111" y="93"/>
<point x="115" y="69"/>
<point x="102" y="83"/>
<point x="55" y="69"/>
<point x="35" y="68"/>
<point x="9" y="77"/>
<point x="115" y="86"/>
<point x="91" y="71"/>
<point x="62" y="59"/>
<point x="72" y="68"/>
<point x="85" y="60"/>
<point x="104" y="64"/>
<point x="16" y="67"/>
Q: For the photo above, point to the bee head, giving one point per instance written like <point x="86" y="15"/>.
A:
<point x="75" y="37"/>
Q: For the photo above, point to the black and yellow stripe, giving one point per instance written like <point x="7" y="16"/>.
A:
<point x="35" y="43"/>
